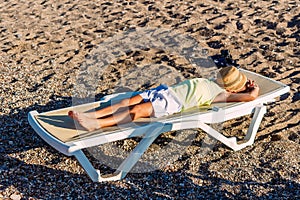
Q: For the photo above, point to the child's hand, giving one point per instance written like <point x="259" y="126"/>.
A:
<point x="250" y="84"/>
<point x="253" y="89"/>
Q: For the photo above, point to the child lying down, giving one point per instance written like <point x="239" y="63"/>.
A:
<point x="231" y="85"/>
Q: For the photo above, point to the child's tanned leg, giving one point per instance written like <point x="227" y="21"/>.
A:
<point x="111" y="109"/>
<point x="136" y="112"/>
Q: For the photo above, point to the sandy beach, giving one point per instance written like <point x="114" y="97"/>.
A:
<point x="45" y="46"/>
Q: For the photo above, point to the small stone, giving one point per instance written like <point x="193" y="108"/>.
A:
<point x="15" y="197"/>
<point x="276" y="137"/>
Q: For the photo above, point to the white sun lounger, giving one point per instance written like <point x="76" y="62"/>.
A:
<point x="58" y="130"/>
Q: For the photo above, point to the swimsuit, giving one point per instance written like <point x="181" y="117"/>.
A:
<point x="164" y="102"/>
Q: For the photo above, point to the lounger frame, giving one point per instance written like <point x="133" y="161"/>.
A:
<point x="149" y="132"/>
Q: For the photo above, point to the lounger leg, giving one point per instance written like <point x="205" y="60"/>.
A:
<point x="255" y="122"/>
<point x="232" y="141"/>
<point x="140" y="149"/>
<point x="129" y="162"/>
<point x="93" y="173"/>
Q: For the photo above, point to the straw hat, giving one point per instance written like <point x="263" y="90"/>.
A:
<point x="231" y="79"/>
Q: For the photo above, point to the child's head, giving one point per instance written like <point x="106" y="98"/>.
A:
<point x="231" y="79"/>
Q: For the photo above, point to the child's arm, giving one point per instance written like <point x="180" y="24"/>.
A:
<point x="237" y="97"/>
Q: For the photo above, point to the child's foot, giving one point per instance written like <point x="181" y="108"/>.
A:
<point x="86" y="122"/>
<point x="71" y="114"/>
<point x="90" y="115"/>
